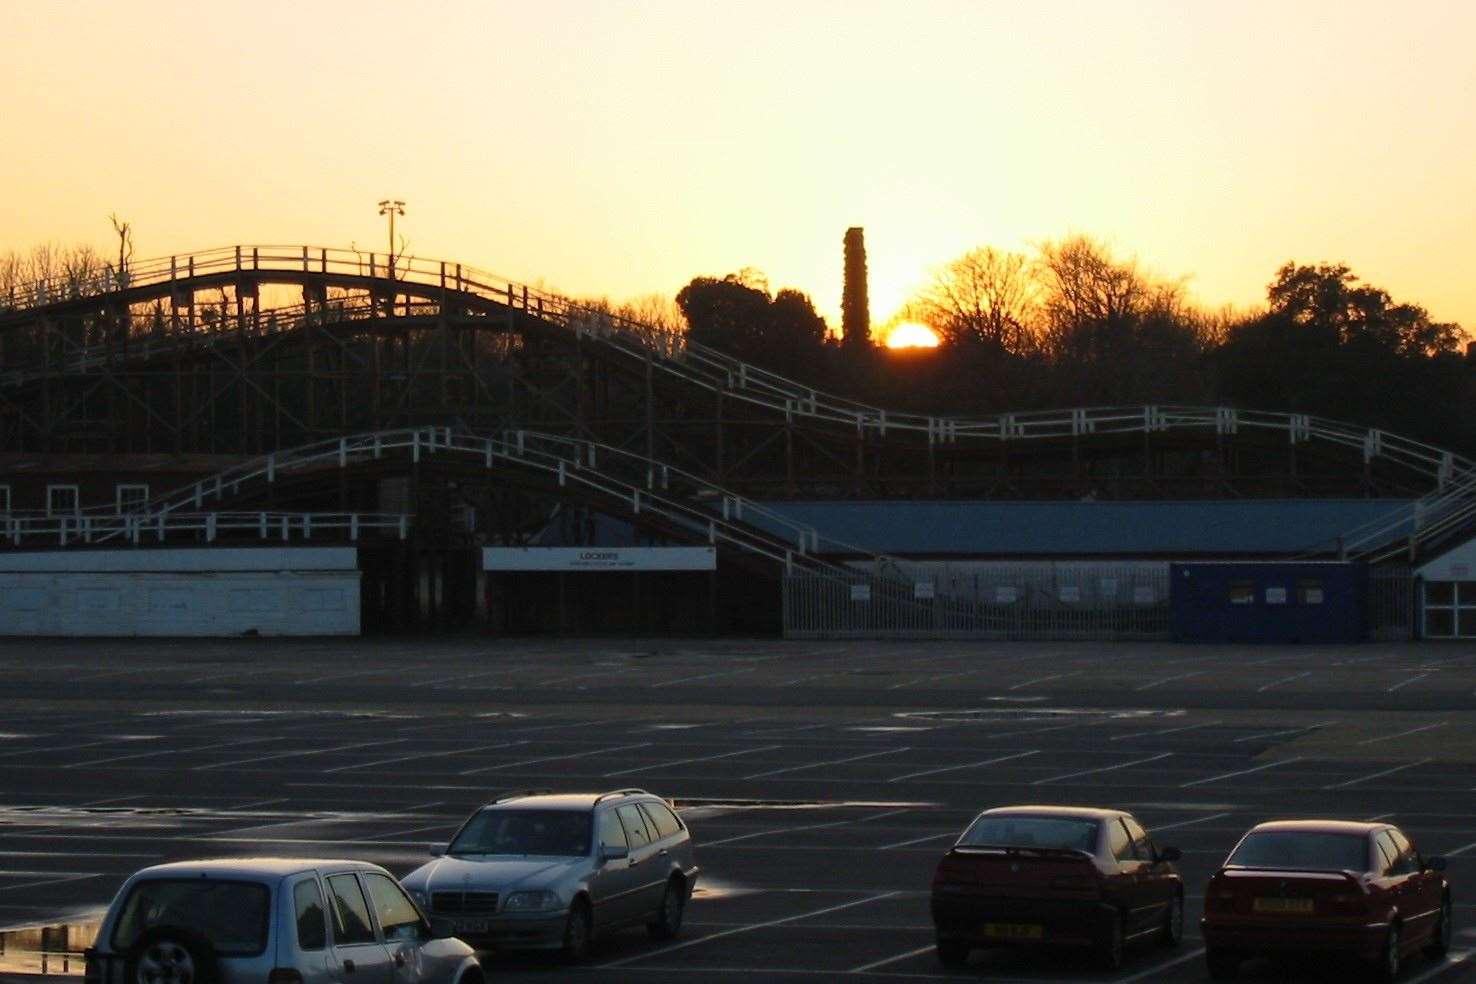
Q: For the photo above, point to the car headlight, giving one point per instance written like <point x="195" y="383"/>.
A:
<point x="532" y="902"/>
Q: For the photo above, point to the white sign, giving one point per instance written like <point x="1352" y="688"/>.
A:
<point x="1143" y="594"/>
<point x="1070" y="592"/>
<point x="599" y="558"/>
<point x="860" y="592"/>
<point x="922" y="589"/>
<point x="1275" y="596"/>
<point x="1005" y="594"/>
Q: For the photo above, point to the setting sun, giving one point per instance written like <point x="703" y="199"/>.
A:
<point x="910" y="334"/>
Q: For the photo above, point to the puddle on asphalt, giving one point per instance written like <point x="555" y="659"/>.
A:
<point x="54" y="949"/>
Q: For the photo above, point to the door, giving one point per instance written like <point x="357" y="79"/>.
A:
<point x="1131" y="879"/>
<point x="1157" y="886"/>
<point x="1422" y="895"/>
<point x="615" y="886"/>
<point x="314" y="958"/>
<point x="650" y="876"/>
<point x="403" y="930"/>
<point x="358" y="955"/>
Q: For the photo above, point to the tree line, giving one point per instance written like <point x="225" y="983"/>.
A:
<point x="1073" y="324"/>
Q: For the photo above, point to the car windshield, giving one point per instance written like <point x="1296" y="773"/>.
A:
<point x="231" y="915"/>
<point x="1069" y="833"/>
<point x="1301" y="850"/>
<point x="557" y="832"/>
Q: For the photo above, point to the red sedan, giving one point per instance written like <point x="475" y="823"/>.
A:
<point x="1055" y="876"/>
<point x="1326" y="886"/>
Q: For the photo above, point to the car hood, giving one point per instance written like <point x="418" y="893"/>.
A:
<point x="501" y="874"/>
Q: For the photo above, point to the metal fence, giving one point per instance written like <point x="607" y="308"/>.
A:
<point x="985" y="600"/>
<point x="1388" y="611"/>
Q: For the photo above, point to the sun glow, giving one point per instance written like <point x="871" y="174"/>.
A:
<point x="910" y="334"/>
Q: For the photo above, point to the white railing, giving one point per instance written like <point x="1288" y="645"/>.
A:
<point x="138" y="527"/>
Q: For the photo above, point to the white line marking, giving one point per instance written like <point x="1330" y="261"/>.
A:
<point x="704" y="758"/>
<point x="891" y="960"/>
<point x="1242" y="772"/>
<point x="1052" y="676"/>
<point x="554" y="758"/>
<point x="1286" y="731"/>
<point x="1166" y="731"/>
<point x="1375" y="775"/>
<point x="1287" y="679"/>
<point x="917" y="840"/>
<point x="1461" y="850"/>
<point x="168" y="751"/>
<point x="1451" y="960"/>
<point x="704" y="676"/>
<point x="749" y="928"/>
<point x="1405" y="683"/>
<point x="1401" y="734"/>
<point x="966" y="765"/>
<point x="808" y="826"/>
<point x="1177" y="676"/>
<point x="48" y="881"/>
<point x="1105" y="768"/>
<point x="297" y="754"/>
<point x="425" y="755"/>
<point x="1189" y="823"/>
<point x="816" y="765"/>
<point x="1142" y="974"/>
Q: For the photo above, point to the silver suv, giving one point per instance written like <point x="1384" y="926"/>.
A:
<point x="550" y="871"/>
<point x="271" y="921"/>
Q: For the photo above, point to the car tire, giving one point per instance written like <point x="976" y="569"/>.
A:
<point x="668" y="921"/>
<point x="1439" y="944"/>
<point x="1111" y="951"/>
<point x="1173" y="923"/>
<point x="1223" y="965"/>
<point x="171" y="955"/>
<point x="954" y="954"/>
<point x="1386" y="969"/>
<point x="578" y="931"/>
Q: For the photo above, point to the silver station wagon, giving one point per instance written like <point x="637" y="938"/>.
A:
<point x="551" y="871"/>
<point x="271" y="921"/>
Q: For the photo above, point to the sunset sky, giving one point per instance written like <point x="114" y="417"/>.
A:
<point x="619" y="149"/>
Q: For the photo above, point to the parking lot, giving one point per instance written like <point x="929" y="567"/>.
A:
<point x="822" y="781"/>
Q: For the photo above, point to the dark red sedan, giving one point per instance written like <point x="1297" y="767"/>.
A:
<point x="1326" y="886"/>
<point x="1055" y="876"/>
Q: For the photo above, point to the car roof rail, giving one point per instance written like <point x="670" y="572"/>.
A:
<point x="619" y="792"/>
<point x="519" y="794"/>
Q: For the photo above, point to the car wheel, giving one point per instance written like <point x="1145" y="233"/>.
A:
<point x="1439" y="943"/>
<point x="1173" y="922"/>
<point x="1110" y="950"/>
<point x="953" y="954"/>
<point x="1387" y="967"/>
<point x="668" y="922"/>
<point x="169" y="955"/>
<point x="577" y="931"/>
<point x="1223" y="965"/>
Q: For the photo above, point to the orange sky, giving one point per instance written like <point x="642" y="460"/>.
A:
<point x="609" y="148"/>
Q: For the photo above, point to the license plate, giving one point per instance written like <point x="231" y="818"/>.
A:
<point x="469" y="925"/>
<point x="1282" y="905"/>
<point x="1013" y="931"/>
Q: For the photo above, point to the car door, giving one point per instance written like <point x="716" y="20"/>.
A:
<point x="314" y="958"/>
<point x="650" y="877"/>
<point x="1421" y="907"/>
<point x="359" y="956"/>
<point x="1131" y="878"/>
<point x="615" y="887"/>
<point x="674" y="846"/>
<point x="403" y="930"/>
<point x="1157" y="885"/>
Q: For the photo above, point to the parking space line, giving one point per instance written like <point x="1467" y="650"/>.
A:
<point x="1451" y="960"/>
<point x="1050" y="676"/>
<point x="917" y="840"/>
<point x="1405" y="683"/>
<point x="1241" y="772"/>
<point x="1401" y="734"/>
<point x="746" y="929"/>
<point x="966" y="765"/>
<point x="174" y="751"/>
<point x="1376" y="775"/>
<point x="1105" y="768"/>
<point x="1461" y="850"/>
<point x="418" y="756"/>
<point x="688" y="761"/>
<point x="1166" y="731"/>
<point x="807" y="826"/>
<point x="1160" y="968"/>
<point x="300" y="753"/>
<point x="840" y="761"/>
<point x="49" y="881"/>
<point x="891" y="960"/>
<point x="554" y="758"/>
<point x="1286" y="731"/>
<point x="1189" y="823"/>
<point x="1178" y="676"/>
<point x="704" y="676"/>
<point x="1287" y="679"/>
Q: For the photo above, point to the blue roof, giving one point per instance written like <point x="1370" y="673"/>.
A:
<point x="1117" y="528"/>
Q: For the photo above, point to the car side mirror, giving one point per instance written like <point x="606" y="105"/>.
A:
<point x="1435" y="864"/>
<point x="436" y="850"/>
<point x="614" y="852"/>
<point x="1170" y="854"/>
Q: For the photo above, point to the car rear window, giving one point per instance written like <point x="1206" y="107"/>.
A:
<point x="231" y="915"/>
<point x="1069" y="833"/>
<point x="1305" y="851"/>
<point x="555" y="832"/>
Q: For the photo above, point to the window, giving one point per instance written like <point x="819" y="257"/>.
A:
<point x="1242" y="592"/>
<point x="1388" y="853"/>
<point x="131" y="497"/>
<point x="1408" y="860"/>
<point x="612" y="834"/>
<point x="61" y="500"/>
<point x="658" y="816"/>
<point x="1118" y="841"/>
<point x="635" y="827"/>
<point x="1309" y="591"/>
<point x="1018" y="830"/>
<point x="520" y="831"/>
<point x="231" y="915"/>
<point x="398" y="917"/>
<point x="351" y="922"/>
<point x="1142" y="844"/>
<point x="1450" y="609"/>
<point x="1293" y="850"/>
<point x="312" y="926"/>
<point x="4" y="498"/>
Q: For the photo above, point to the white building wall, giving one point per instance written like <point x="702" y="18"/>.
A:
<point x="290" y="592"/>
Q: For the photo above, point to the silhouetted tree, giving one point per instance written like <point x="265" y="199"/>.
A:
<point x="985" y="296"/>
<point x="782" y="333"/>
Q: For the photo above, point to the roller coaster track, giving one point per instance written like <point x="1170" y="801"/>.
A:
<point x="1450" y="506"/>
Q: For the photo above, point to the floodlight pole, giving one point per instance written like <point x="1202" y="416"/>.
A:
<point x="391" y="207"/>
